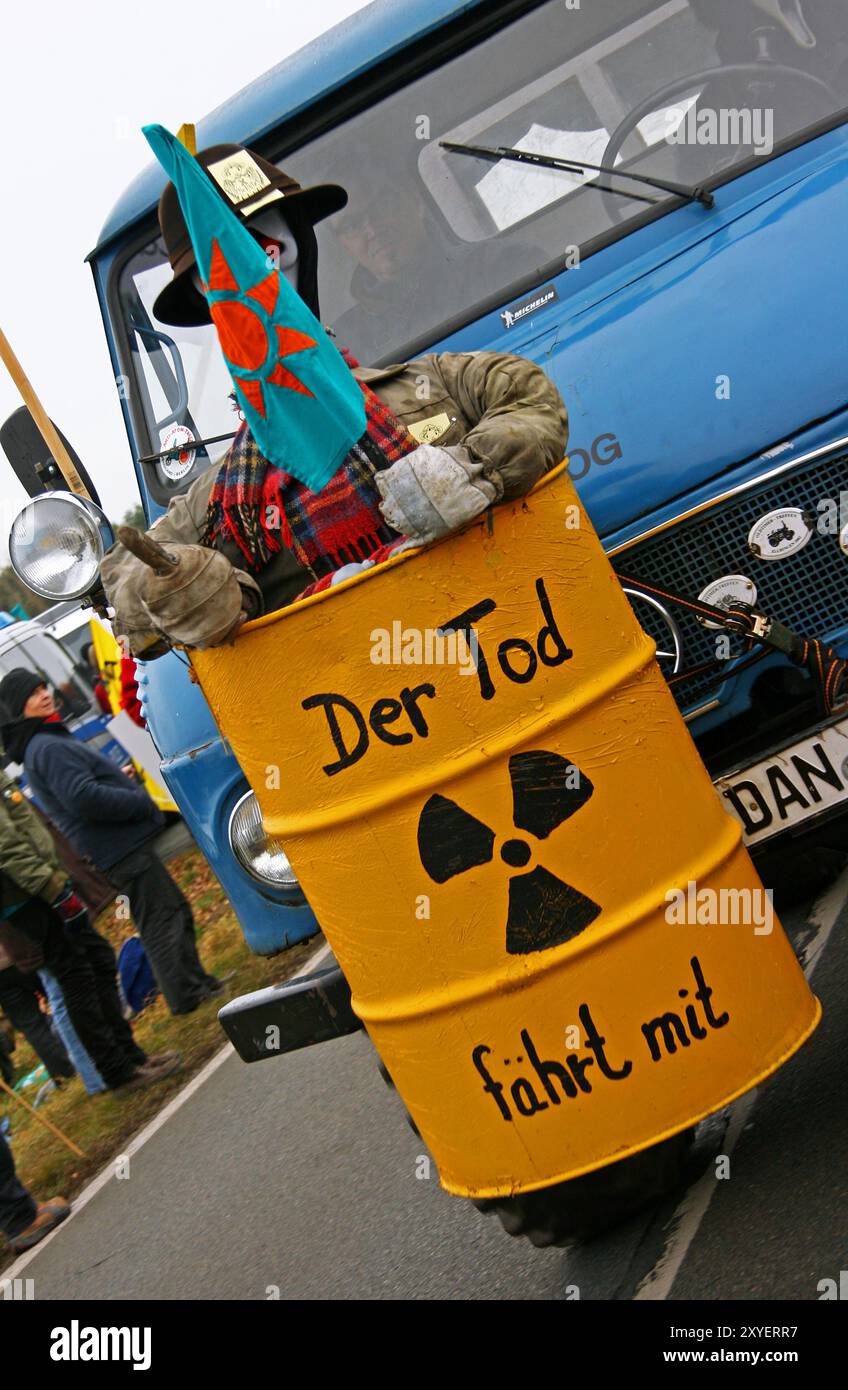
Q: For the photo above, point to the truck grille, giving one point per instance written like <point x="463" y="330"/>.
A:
<point x="807" y="591"/>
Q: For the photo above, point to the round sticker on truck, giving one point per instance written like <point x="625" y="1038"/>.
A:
<point x="175" y="465"/>
<point x="724" y="592"/>
<point x="779" y="534"/>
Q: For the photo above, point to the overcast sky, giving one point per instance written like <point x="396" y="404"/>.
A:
<point x="79" y="81"/>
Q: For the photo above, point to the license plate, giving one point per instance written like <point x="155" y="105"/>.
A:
<point x="791" y="786"/>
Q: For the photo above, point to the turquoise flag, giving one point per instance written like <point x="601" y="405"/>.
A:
<point x="302" y="403"/>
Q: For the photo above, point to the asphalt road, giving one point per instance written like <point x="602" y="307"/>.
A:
<point x="296" y="1178"/>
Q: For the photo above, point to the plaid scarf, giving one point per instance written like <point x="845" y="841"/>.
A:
<point x="263" y="508"/>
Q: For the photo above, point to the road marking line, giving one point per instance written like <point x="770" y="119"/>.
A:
<point x="103" y="1177"/>
<point x="321" y="954"/>
<point x="824" y="915"/>
<point x="657" y="1284"/>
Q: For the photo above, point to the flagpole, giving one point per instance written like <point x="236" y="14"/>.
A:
<point x="45" y="425"/>
<point x="42" y="1120"/>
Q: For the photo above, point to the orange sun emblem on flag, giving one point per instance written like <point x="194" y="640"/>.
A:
<point x="253" y="344"/>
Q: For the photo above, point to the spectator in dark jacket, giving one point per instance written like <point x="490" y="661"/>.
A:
<point x="43" y="924"/>
<point x="112" y="821"/>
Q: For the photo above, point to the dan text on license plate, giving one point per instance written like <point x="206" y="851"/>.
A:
<point x="790" y="786"/>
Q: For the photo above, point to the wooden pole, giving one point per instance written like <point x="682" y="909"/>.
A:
<point x="186" y="135"/>
<point x="45" y="425"/>
<point x="41" y="1120"/>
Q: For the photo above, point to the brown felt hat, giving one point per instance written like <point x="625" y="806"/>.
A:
<point x="249" y="183"/>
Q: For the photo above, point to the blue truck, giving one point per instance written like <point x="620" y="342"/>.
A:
<point x="648" y="200"/>
<point x="699" y="349"/>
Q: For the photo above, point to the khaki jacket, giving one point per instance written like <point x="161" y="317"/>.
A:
<point x="28" y="856"/>
<point x="501" y="409"/>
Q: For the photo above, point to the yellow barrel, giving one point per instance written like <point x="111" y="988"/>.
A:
<point x="553" y="933"/>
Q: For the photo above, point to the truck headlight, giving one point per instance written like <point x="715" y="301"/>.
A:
<point x="57" y="543"/>
<point x="262" y="856"/>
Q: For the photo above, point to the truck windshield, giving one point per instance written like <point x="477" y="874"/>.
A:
<point x="685" y="90"/>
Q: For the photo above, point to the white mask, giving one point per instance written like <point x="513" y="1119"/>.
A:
<point x="272" y="224"/>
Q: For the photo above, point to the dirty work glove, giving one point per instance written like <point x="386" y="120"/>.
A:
<point x="201" y="603"/>
<point x="433" y="491"/>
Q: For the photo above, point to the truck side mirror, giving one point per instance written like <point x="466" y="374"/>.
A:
<point x="33" y="465"/>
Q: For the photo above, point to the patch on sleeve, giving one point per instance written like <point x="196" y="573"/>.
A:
<point x="425" y="431"/>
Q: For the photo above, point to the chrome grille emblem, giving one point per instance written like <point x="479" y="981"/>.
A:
<point x="661" y="626"/>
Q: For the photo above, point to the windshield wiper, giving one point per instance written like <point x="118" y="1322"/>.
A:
<point x="189" y="447"/>
<point x="577" y="166"/>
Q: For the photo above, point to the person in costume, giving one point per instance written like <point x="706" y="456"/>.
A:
<point x="458" y="431"/>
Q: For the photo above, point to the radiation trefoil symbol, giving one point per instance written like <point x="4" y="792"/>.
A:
<point x="543" y="910"/>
